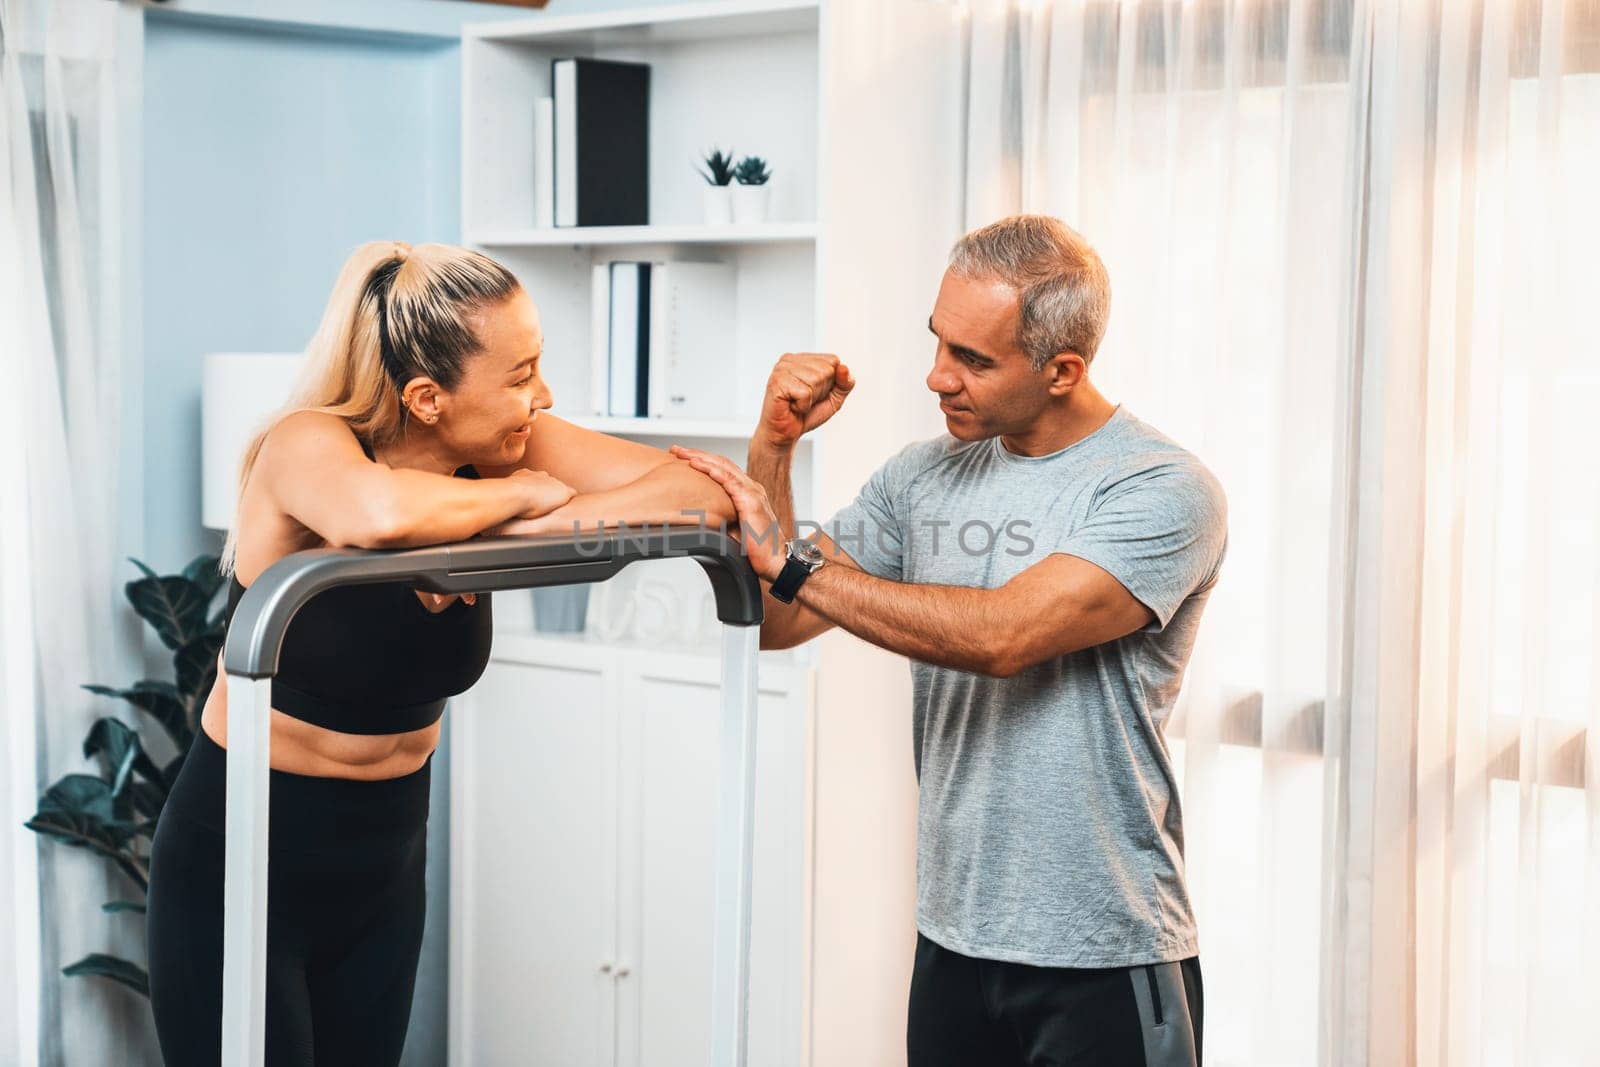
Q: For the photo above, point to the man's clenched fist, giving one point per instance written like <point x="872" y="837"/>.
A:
<point x="803" y="392"/>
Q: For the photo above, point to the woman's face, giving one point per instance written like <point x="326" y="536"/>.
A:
<point x="487" y="417"/>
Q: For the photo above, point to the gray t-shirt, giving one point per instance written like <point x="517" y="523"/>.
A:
<point x="1048" y="827"/>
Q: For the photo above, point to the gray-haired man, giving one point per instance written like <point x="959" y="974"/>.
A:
<point x="1044" y="565"/>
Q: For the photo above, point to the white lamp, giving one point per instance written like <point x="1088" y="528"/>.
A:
<point x="239" y="391"/>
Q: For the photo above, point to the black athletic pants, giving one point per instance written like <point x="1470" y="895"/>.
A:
<point x="344" y="925"/>
<point x="968" y="1012"/>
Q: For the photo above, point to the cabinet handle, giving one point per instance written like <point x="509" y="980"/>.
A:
<point x="605" y="968"/>
<point x="622" y="972"/>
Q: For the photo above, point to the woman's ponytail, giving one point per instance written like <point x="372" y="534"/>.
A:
<point x="395" y="312"/>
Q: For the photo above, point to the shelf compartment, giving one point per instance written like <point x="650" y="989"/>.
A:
<point x="648" y="26"/>
<point x="594" y="236"/>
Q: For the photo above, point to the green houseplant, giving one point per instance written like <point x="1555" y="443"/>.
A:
<point x="752" y="170"/>
<point x="718" y="173"/>
<point x="113" y="813"/>
<point x="752" y="193"/>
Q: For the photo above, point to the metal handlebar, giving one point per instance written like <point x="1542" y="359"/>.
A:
<point x="250" y="660"/>
<point x="483" y="566"/>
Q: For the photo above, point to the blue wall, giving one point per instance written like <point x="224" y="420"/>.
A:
<point x="268" y="156"/>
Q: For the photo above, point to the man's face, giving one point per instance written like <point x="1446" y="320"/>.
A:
<point x="985" y="384"/>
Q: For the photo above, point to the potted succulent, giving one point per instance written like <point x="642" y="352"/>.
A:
<point x="718" y="173"/>
<point x="751" y="194"/>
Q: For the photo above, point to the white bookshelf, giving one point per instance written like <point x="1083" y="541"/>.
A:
<point x="730" y="429"/>
<point x="685" y="234"/>
<point x="664" y="25"/>
<point x="741" y="75"/>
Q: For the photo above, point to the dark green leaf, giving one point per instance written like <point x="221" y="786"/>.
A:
<point x="148" y="798"/>
<point x="79" y="831"/>
<point x="79" y="811"/>
<point x="77" y="794"/>
<point x="111" y="907"/>
<point x="118" y="970"/>
<point x="123" y="755"/>
<point x="719" y="167"/>
<point x="205" y="572"/>
<point x="196" y="666"/>
<point x="752" y="170"/>
<point x="161" y="701"/>
<point x="171" y="603"/>
<point x="84" y="829"/>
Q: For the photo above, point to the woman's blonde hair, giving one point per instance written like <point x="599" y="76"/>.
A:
<point x="395" y="313"/>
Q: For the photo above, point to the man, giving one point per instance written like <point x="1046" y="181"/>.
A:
<point x="1044" y="566"/>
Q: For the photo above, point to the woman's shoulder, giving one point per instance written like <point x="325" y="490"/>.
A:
<point x="303" y="451"/>
<point x="296" y="452"/>
<point x="307" y="436"/>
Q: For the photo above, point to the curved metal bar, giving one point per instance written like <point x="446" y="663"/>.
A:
<point x="265" y="611"/>
<point x="250" y="660"/>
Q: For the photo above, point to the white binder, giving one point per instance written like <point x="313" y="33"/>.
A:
<point x="692" y="369"/>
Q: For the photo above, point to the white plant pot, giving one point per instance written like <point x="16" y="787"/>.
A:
<point x="719" y="204"/>
<point x="750" y="203"/>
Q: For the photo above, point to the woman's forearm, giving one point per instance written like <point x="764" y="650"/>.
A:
<point x="671" y="494"/>
<point x="422" y="508"/>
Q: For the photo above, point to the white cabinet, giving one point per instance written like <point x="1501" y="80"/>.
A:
<point x="583" y="813"/>
<point x="583" y="775"/>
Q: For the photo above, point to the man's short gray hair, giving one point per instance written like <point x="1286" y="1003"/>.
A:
<point x="1065" y="294"/>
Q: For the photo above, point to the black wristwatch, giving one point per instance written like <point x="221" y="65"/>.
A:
<point x="804" y="557"/>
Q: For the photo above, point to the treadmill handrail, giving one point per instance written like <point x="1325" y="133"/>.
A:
<point x="263" y="614"/>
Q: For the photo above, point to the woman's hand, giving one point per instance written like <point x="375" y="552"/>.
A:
<point x="437" y="602"/>
<point x="518" y="528"/>
<point x="545" y="493"/>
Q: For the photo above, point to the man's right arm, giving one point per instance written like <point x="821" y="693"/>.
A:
<point x="788" y="625"/>
<point x="804" y="390"/>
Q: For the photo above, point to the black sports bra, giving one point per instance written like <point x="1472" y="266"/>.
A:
<point x="372" y="659"/>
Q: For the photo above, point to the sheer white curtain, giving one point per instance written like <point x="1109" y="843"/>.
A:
<point x="1204" y="150"/>
<point x="58" y="354"/>
<point x="1468" y="855"/>
<point x="1344" y="238"/>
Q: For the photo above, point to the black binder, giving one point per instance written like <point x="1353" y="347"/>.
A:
<point x="628" y="350"/>
<point x="602" y="142"/>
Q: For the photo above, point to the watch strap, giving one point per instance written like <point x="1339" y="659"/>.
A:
<point x="789" y="580"/>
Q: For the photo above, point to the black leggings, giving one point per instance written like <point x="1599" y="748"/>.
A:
<point x="966" y="1012"/>
<point x="345" y="899"/>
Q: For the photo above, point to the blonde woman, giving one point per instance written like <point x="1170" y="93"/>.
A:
<point x="419" y="421"/>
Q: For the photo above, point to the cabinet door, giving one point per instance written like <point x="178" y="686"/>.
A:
<point x="533" y="877"/>
<point x="669" y="798"/>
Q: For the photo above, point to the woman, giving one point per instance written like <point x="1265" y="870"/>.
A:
<point x="417" y="422"/>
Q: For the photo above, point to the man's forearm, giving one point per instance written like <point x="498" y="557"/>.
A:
<point x="773" y="468"/>
<point x="949" y="625"/>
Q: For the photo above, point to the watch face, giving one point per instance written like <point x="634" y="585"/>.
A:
<point x="808" y="553"/>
